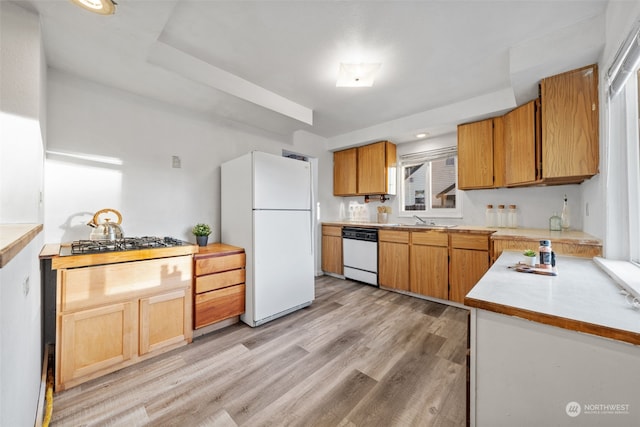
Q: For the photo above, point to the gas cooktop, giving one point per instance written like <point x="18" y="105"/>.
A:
<point x="126" y="244"/>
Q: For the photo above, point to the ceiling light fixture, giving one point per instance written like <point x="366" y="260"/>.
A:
<point x="102" y="7"/>
<point x="421" y="135"/>
<point x="357" y="75"/>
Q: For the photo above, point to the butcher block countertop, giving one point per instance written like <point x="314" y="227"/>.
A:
<point x="571" y="236"/>
<point x="471" y="229"/>
<point x="84" y="260"/>
<point x="575" y="237"/>
<point x="14" y="238"/>
<point x="581" y="297"/>
<point x="217" y="249"/>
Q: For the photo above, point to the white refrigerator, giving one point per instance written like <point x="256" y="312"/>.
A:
<point x="266" y="209"/>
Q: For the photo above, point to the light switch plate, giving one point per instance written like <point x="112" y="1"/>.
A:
<point x="176" y="162"/>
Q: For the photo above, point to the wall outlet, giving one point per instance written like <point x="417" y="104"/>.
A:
<point x="176" y="162"/>
<point x="586" y="209"/>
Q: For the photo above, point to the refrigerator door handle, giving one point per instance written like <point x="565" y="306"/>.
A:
<point x="311" y="232"/>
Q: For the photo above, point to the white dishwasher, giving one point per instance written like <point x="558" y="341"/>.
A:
<point x="360" y="254"/>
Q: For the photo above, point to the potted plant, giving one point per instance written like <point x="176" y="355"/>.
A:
<point x="529" y="257"/>
<point x="201" y="231"/>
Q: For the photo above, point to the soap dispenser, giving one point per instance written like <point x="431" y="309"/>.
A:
<point x="565" y="221"/>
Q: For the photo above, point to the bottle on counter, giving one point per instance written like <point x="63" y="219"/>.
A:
<point x="564" y="218"/>
<point x="490" y="217"/>
<point x="545" y="254"/>
<point x="512" y="217"/>
<point x="502" y="217"/>
<point x="555" y="222"/>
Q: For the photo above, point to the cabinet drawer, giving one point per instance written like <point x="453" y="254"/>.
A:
<point x="218" y="305"/>
<point x="219" y="280"/>
<point x="219" y="263"/>
<point x="330" y="230"/>
<point x="94" y="286"/>
<point x="431" y="238"/>
<point x="470" y="241"/>
<point x="393" y="236"/>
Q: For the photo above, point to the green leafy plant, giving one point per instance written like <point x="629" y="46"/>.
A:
<point x="529" y="252"/>
<point x="201" y="230"/>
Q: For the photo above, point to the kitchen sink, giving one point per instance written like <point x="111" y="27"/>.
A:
<point x="440" y="226"/>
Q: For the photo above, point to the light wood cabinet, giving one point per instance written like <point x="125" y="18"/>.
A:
<point x="553" y="140"/>
<point x="393" y="259"/>
<point x="374" y="163"/>
<point x="469" y="261"/>
<point x="219" y="284"/>
<point x="570" y="151"/>
<point x="429" y="264"/>
<point x="332" y="249"/>
<point x="366" y="170"/>
<point x="345" y="172"/>
<point x="522" y="144"/>
<point x="111" y="316"/>
<point x="163" y="321"/>
<point x="95" y="340"/>
<point x="478" y="145"/>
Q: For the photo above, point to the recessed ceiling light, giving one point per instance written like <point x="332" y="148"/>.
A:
<point x="357" y="75"/>
<point x="102" y="7"/>
<point x="421" y="135"/>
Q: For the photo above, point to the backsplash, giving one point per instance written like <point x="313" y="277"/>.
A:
<point x="535" y="206"/>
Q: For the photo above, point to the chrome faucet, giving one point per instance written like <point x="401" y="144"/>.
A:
<point x="419" y="219"/>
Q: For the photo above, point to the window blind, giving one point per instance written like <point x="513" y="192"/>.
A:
<point x="427" y="156"/>
<point x="625" y="62"/>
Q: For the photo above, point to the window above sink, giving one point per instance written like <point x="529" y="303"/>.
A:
<point x="429" y="184"/>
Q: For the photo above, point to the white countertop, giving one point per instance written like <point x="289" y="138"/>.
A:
<point x="582" y="297"/>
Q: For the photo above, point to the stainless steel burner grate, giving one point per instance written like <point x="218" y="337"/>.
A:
<point x="126" y="244"/>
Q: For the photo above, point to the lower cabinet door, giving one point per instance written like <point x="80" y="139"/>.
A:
<point x="430" y="271"/>
<point x="465" y="270"/>
<point x="393" y="265"/>
<point x="97" y="340"/>
<point x="164" y="321"/>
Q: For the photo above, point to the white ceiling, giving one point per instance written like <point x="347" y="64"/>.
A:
<point x="273" y="64"/>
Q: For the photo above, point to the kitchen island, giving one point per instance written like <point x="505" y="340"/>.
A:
<point x="553" y="350"/>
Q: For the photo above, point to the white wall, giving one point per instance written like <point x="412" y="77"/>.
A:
<point x="21" y="171"/>
<point x="87" y="119"/>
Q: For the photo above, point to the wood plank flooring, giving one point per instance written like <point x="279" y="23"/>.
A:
<point x="358" y="356"/>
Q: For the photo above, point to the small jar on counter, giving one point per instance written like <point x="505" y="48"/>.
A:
<point x="512" y="217"/>
<point x="555" y="222"/>
<point x="545" y="254"/>
<point x="490" y="217"/>
<point x="502" y="217"/>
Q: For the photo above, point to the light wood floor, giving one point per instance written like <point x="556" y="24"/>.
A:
<point x="359" y="356"/>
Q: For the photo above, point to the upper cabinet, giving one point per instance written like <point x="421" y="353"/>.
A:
<point x="481" y="154"/>
<point x="522" y="144"/>
<point x="553" y="140"/>
<point x="345" y="172"/>
<point x="570" y="150"/>
<point x="366" y="170"/>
